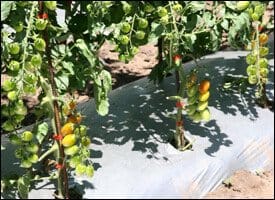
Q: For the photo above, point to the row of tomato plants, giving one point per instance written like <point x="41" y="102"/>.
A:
<point x="42" y="56"/>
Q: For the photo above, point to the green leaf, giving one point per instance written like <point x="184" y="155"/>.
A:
<point x="97" y="93"/>
<point x="23" y="185"/>
<point x="192" y="22"/>
<point x="42" y="131"/>
<point x="190" y="40"/>
<point x="156" y="31"/>
<point x="231" y="4"/>
<point x="62" y="81"/>
<point x="207" y="18"/>
<point x="80" y="43"/>
<point x="5" y="9"/>
<point x="225" y="24"/>
<point x="107" y="80"/>
<point x="69" y="66"/>
<point x="103" y="107"/>
<point x="196" y="6"/>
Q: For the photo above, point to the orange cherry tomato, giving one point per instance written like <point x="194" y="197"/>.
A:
<point x="204" y="86"/>
<point x="263" y="38"/>
<point x="67" y="129"/>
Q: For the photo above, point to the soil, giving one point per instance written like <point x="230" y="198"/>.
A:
<point x="246" y="185"/>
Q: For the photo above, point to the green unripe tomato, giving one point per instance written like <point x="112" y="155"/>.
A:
<point x="134" y="50"/>
<point x="161" y="11"/>
<point x="124" y="39"/>
<point x="255" y="16"/>
<point x="81" y="130"/>
<point x="14" y="48"/>
<point x="251" y="59"/>
<point x="27" y="136"/>
<point x="192" y="100"/>
<point x="14" y="65"/>
<point x="41" y="24"/>
<point x="142" y="23"/>
<point x="126" y="7"/>
<point x="8" y="85"/>
<point x="122" y="57"/>
<point x="192" y="91"/>
<point x="177" y="8"/>
<point x="39" y="44"/>
<point x="32" y="147"/>
<point x="26" y="164"/>
<point x="149" y="8"/>
<point x="31" y="79"/>
<point x="85" y="141"/>
<point x="12" y="96"/>
<point x="263" y="72"/>
<point x="19" y="153"/>
<point x="80" y="169"/>
<point x="29" y="89"/>
<point x="19" y="27"/>
<point x="205" y="114"/>
<point x="191" y="109"/>
<point x="164" y="20"/>
<point x="71" y="150"/>
<point x="196" y="117"/>
<point x="29" y="66"/>
<point x="36" y="60"/>
<point x="74" y="161"/>
<point x="251" y="70"/>
<point x="19" y="118"/>
<point x="51" y="5"/>
<point x="14" y="139"/>
<point x="259" y="9"/>
<point x="252" y="79"/>
<point x="20" y="109"/>
<point x="242" y="5"/>
<point x="250" y="11"/>
<point x="140" y="35"/>
<point x="264" y="51"/>
<point x="263" y="62"/>
<point x="33" y="158"/>
<point x="125" y="27"/>
<point x="202" y="105"/>
<point x="8" y="126"/>
<point x="69" y="140"/>
<point x="89" y="171"/>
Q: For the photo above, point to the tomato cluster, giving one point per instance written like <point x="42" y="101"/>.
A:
<point x="75" y="140"/>
<point x="256" y="11"/>
<point x="198" y="95"/>
<point x="27" y="148"/>
<point x="257" y="69"/>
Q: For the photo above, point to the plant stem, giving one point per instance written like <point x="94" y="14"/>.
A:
<point x="25" y="45"/>
<point x="180" y="141"/>
<point x="51" y="150"/>
<point x="62" y="173"/>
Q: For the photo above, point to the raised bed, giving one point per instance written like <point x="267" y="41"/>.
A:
<point x="130" y="146"/>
